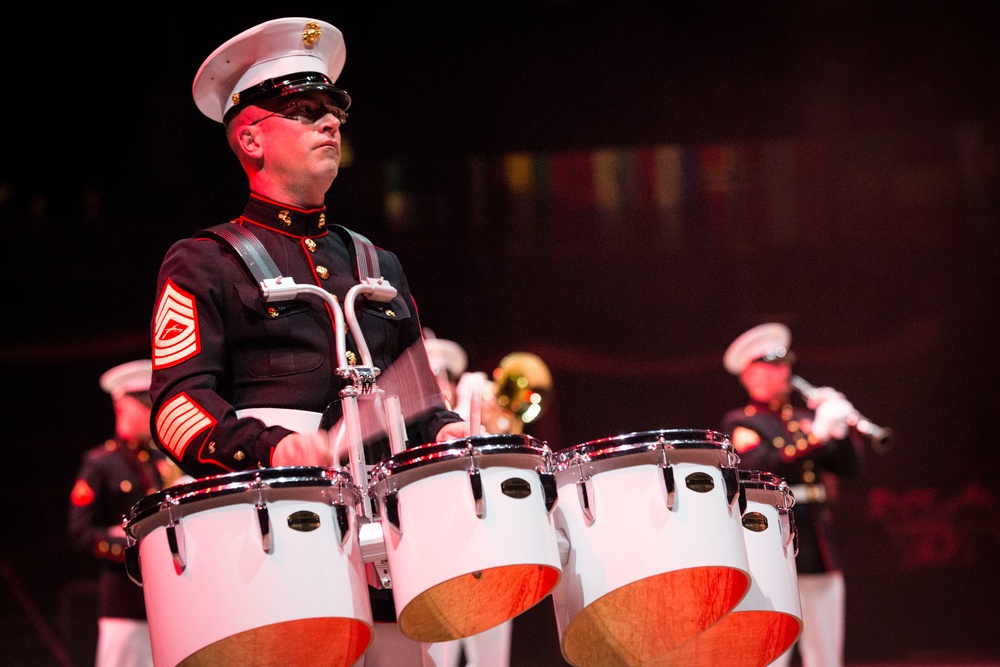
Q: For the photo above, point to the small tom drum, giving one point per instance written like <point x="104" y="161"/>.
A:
<point x="468" y="534"/>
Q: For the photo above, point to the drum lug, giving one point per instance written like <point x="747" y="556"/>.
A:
<point x="476" y="482"/>
<point x="788" y="530"/>
<point x="343" y="522"/>
<point x="669" y="484"/>
<point x="549" y="489"/>
<point x="175" y="538"/>
<point x="264" y="523"/>
<point x="743" y="499"/>
<point x="132" y="566"/>
<point x="731" y="478"/>
<point x="564" y="546"/>
<point x="585" y="493"/>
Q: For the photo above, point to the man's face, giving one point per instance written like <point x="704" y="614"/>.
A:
<point x="132" y="417"/>
<point x="766" y="381"/>
<point x="301" y="136"/>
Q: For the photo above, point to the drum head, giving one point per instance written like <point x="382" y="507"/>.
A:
<point x="473" y="603"/>
<point x="324" y="642"/>
<point x="647" y="619"/>
<point x="693" y="445"/>
<point x="416" y="463"/>
<point x="218" y="490"/>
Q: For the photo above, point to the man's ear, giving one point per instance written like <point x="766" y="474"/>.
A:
<point x="249" y="140"/>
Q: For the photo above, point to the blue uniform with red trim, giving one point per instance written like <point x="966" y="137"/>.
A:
<point x="784" y="446"/>
<point x="219" y="347"/>
<point x="112" y="478"/>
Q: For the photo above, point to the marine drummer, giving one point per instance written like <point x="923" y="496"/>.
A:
<point x="239" y="382"/>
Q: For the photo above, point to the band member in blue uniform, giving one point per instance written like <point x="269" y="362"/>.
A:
<point x="240" y="382"/>
<point x="111" y="479"/>
<point x="810" y="447"/>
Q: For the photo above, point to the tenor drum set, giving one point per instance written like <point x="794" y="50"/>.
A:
<point x="655" y="548"/>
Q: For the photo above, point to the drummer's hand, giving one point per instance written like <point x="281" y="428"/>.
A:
<point x="453" y="431"/>
<point x="303" y="449"/>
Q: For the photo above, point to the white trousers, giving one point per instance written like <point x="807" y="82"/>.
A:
<point x="123" y="642"/>
<point x="391" y="648"/>
<point x="486" y="649"/>
<point x="823" y="606"/>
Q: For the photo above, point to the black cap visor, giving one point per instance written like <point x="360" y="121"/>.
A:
<point x="291" y="84"/>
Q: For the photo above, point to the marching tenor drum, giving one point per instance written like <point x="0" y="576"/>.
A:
<point x="656" y="551"/>
<point x="468" y="533"/>
<point x="253" y="568"/>
<point x="769" y="619"/>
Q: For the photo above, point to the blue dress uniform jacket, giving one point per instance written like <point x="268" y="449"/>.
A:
<point x="112" y="478"/>
<point x="785" y="447"/>
<point x="219" y="347"/>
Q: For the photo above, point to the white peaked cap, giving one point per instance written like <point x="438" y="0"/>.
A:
<point x="764" y="340"/>
<point x="259" y="64"/>
<point x="127" y="378"/>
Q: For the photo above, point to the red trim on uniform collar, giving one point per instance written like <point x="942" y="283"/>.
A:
<point x="285" y="218"/>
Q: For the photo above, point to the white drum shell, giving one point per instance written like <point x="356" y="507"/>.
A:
<point x="230" y="584"/>
<point x="774" y="584"/>
<point x="634" y="535"/>
<point x="441" y="537"/>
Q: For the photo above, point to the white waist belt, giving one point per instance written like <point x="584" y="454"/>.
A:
<point x="808" y="493"/>
<point x="301" y="421"/>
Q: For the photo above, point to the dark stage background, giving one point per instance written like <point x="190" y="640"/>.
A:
<point x="621" y="188"/>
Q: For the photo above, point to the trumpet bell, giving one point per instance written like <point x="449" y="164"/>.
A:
<point x="521" y="382"/>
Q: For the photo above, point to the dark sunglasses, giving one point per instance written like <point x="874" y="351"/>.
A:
<point x="778" y="357"/>
<point x="306" y="111"/>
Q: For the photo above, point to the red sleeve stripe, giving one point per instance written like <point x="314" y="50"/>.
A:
<point x="179" y="421"/>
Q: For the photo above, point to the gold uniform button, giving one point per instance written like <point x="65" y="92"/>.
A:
<point x="239" y="456"/>
<point x="352" y="358"/>
<point x="285" y="217"/>
<point x="390" y="313"/>
<point x="322" y="272"/>
<point x="311" y="245"/>
<point x="322" y="220"/>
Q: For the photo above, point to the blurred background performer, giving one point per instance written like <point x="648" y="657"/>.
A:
<point x="810" y="447"/>
<point x="111" y="479"/>
<point x="510" y="399"/>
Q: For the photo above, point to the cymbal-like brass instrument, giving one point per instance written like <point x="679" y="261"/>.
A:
<point x="878" y="436"/>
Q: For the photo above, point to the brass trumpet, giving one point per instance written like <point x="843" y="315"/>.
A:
<point x="879" y="436"/>
<point x="521" y="382"/>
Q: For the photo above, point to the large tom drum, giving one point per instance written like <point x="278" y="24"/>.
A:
<point x="468" y="534"/>
<point x="253" y="568"/>
<point x="769" y="619"/>
<point x="656" y="551"/>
